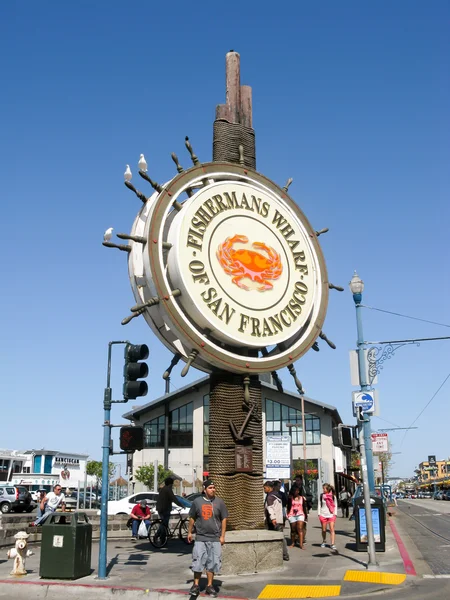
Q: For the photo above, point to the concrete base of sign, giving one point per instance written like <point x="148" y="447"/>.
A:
<point x="252" y="551"/>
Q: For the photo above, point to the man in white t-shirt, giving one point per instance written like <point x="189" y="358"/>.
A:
<point x="50" y="503"/>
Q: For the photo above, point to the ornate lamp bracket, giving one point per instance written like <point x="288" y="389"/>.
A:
<point x="378" y="355"/>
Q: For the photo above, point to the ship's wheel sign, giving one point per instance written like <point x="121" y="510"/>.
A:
<point x="65" y="473"/>
<point x="231" y="273"/>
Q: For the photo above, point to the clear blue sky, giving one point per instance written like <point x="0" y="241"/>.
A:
<point x="351" y="99"/>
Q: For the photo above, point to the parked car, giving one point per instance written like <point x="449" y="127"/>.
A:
<point x="446" y="495"/>
<point x="125" y="505"/>
<point x="15" y="498"/>
<point x="437" y="495"/>
<point x="71" y="501"/>
<point x="426" y="495"/>
<point x="192" y="497"/>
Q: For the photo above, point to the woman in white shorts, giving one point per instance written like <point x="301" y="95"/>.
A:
<point x="296" y="515"/>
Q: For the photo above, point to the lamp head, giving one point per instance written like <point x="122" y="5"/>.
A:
<point x="356" y="287"/>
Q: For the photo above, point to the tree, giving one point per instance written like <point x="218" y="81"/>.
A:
<point x="145" y="475"/>
<point x="94" y="469"/>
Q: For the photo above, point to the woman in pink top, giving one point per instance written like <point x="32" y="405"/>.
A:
<point x="296" y="515"/>
<point x="327" y="510"/>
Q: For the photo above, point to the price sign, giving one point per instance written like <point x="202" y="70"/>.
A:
<point x="278" y="457"/>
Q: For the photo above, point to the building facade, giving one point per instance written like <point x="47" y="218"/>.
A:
<point x="433" y="472"/>
<point x="176" y="432"/>
<point x="42" y="469"/>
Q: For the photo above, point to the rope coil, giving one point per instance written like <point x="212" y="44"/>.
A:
<point x="227" y="139"/>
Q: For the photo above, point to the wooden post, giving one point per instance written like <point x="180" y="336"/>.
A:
<point x="233" y="85"/>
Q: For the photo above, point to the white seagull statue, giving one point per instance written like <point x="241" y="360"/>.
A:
<point x="142" y="164"/>
<point x="128" y="174"/>
<point x="108" y="234"/>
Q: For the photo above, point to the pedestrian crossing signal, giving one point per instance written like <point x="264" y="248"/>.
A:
<point x="131" y="438"/>
<point x="343" y="436"/>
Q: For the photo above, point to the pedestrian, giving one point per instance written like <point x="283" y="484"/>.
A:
<point x="344" y="498"/>
<point x="139" y="514"/>
<point x="166" y="498"/>
<point x="274" y="513"/>
<point x="296" y="514"/>
<point x="40" y="494"/>
<point x="278" y="488"/>
<point x="327" y="510"/>
<point x="303" y="492"/>
<point x="50" y="503"/>
<point x="394" y="498"/>
<point x="209" y="514"/>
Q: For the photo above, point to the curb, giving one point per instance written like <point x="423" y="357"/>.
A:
<point x="52" y="590"/>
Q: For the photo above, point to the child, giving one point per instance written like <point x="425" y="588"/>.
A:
<point x="327" y="510"/>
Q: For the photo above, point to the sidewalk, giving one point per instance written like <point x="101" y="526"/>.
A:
<point x="138" y="571"/>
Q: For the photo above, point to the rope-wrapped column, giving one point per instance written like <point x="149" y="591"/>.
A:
<point x="242" y="492"/>
<point x="234" y="141"/>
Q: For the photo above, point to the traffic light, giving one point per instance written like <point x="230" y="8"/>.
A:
<point x="343" y="436"/>
<point x="134" y="370"/>
<point x="131" y="438"/>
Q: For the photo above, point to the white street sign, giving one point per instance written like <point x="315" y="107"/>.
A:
<point x="380" y="442"/>
<point x="367" y="400"/>
<point x="278" y="457"/>
<point x="354" y="369"/>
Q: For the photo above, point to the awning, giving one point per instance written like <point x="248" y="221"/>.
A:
<point x="349" y="477"/>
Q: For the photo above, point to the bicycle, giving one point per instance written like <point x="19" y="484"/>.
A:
<point x="159" y="532"/>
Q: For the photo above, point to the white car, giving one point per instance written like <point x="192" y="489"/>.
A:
<point x="125" y="505"/>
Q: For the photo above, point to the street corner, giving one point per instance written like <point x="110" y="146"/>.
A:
<point x="19" y="590"/>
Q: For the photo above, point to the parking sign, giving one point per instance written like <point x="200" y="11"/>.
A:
<point x="380" y="442"/>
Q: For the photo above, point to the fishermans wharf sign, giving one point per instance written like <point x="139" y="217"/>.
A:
<point x="232" y="275"/>
<point x="244" y="265"/>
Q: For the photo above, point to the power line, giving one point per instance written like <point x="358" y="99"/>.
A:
<point x="426" y="405"/>
<point x="389" y="312"/>
<point x="386" y="421"/>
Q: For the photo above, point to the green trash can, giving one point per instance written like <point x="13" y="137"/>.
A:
<point x="66" y="546"/>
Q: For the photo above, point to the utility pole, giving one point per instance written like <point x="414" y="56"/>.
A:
<point x="357" y="287"/>
<point x="367" y="504"/>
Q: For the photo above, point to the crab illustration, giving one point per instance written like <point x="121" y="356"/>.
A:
<point x="244" y="263"/>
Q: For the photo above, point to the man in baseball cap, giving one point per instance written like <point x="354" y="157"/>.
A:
<point x="209" y="514"/>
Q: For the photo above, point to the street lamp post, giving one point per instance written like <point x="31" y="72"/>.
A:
<point x="357" y="287"/>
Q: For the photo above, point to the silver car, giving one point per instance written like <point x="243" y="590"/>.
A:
<point x="15" y="497"/>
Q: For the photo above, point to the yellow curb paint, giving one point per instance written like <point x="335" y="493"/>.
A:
<point x="300" y="591"/>
<point x="375" y="577"/>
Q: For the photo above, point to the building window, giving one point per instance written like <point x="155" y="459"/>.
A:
<point x="154" y="433"/>
<point x="37" y="464"/>
<point x="206" y="433"/>
<point x="48" y="460"/>
<point x="278" y="416"/>
<point x="181" y="427"/>
<point x="4" y="465"/>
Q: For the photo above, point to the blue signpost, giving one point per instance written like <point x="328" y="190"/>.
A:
<point x="357" y="287"/>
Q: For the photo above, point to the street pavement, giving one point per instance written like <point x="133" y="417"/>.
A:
<point x="137" y="565"/>
<point x="428" y="526"/>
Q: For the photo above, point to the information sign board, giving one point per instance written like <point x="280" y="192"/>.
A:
<point x="363" y="525"/>
<point x="278" y="457"/>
